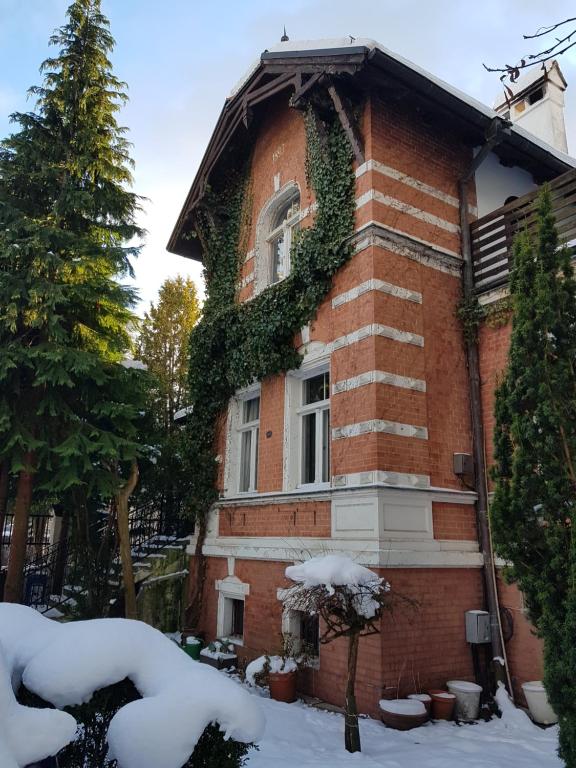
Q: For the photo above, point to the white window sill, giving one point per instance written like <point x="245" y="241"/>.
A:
<point x="313" y="487"/>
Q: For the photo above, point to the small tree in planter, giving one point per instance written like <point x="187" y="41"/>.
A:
<point x="278" y="670"/>
<point x="349" y="599"/>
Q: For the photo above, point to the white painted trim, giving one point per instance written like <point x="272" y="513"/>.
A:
<point x="410" y="181"/>
<point x="230" y="588"/>
<point x="411" y="242"/>
<point x="410" y="210"/>
<point x="381" y="477"/>
<point x="378" y="426"/>
<point x="376" y="329"/>
<point x="378" y="377"/>
<point x="247" y="279"/>
<point x="494" y="295"/>
<point x="377" y="285"/>
<point x="425" y="553"/>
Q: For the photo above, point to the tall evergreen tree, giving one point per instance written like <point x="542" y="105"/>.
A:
<point x="163" y="345"/>
<point x="66" y="214"/>
<point x="534" y="508"/>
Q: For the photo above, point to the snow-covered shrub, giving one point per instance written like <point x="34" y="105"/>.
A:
<point x="66" y="663"/>
<point x="89" y="749"/>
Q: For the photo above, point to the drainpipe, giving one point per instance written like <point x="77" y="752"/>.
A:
<point x="498" y="129"/>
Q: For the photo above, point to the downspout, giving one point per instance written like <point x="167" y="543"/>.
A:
<point x="495" y="134"/>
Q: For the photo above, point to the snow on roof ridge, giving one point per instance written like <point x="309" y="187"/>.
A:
<point x="354" y="42"/>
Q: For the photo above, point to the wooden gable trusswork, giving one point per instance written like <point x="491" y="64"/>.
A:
<point x="332" y="78"/>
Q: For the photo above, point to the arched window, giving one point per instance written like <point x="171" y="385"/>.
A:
<point x="283" y="222"/>
<point x="277" y="222"/>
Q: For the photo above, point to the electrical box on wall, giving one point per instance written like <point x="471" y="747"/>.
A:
<point x="464" y="465"/>
<point x="477" y="627"/>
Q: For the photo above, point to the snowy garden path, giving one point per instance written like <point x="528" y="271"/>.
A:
<point x="297" y="736"/>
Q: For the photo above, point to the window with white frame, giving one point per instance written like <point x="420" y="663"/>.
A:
<point x="283" y="222"/>
<point x="231" y="600"/>
<point x="314" y="416"/>
<point x="249" y="435"/>
<point x="304" y="631"/>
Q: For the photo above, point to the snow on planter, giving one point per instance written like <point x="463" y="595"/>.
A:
<point x="340" y="571"/>
<point x="66" y="663"/>
<point x="267" y="664"/>
<point x="403" y="706"/>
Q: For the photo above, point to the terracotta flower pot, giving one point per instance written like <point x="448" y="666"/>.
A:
<point x="403" y="714"/>
<point x="425" y="698"/>
<point x="282" y="686"/>
<point x="442" y="704"/>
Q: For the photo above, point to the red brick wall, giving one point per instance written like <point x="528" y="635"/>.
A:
<point x="295" y="519"/>
<point x="493" y="347"/>
<point x="423" y="642"/>
<point x="524" y="649"/>
<point x="271" y="434"/>
<point x="454" y="521"/>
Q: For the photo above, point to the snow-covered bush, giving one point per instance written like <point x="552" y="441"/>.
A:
<point x="89" y="749"/>
<point x="65" y="664"/>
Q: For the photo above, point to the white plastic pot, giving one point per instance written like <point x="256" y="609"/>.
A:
<point x="537" y="701"/>
<point x="467" y="699"/>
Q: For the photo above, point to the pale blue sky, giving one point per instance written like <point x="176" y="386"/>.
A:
<point x="180" y="59"/>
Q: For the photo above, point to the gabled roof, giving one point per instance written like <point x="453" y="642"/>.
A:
<point x="297" y="65"/>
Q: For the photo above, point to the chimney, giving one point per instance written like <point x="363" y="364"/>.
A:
<point x="537" y="104"/>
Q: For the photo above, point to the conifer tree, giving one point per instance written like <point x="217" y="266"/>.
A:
<point x="163" y="345"/>
<point x="66" y="214"/>
<point x="534" y="508"/>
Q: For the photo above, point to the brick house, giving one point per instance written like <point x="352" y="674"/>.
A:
<point x="355" y="451"/>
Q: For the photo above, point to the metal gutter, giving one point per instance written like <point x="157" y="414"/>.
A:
<point x="499" y="128"/>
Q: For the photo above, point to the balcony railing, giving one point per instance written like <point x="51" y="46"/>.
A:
<point x="493" y="234"/>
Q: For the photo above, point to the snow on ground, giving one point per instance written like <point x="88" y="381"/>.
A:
<point x="298" y="736"/>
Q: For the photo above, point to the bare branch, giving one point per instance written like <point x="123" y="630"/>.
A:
<point x="512" y="72"/>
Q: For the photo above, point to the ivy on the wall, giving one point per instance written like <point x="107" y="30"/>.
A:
<point x="472" y="314"/>
<point x="237" y="343"/>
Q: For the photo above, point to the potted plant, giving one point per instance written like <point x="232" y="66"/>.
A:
<point x="278" y="670"/>
<point x="192" y="646"/>
<point x="220" y="654"/>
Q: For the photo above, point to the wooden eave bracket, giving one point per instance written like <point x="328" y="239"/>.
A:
<point x="348" y="123"/>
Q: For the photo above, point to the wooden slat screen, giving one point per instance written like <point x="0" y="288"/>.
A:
<point x="493" y="234"/>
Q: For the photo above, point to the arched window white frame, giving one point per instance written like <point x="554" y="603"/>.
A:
<point x="277" y="224"/>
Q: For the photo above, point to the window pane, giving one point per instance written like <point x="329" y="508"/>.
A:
<point x="251" y="410"/>
<point x="245" y="452"/>
<point x="257" y="440"/>
<point x="277" y="247"/>
<point x="309" y="448"/>
<point x="325" y="446"/>
<point x="286" y="211"/>
<point x="237" y="628"/>
<point x="310" y="634"/>
<point x="317" y="388"/>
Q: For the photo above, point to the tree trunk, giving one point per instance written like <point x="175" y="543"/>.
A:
<point x="17" y="557"/>
<point x="4" y="477"/>
<point x="351" y="727"/>
<point x="193" y="611"/>
<point x="122" y="498"/>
